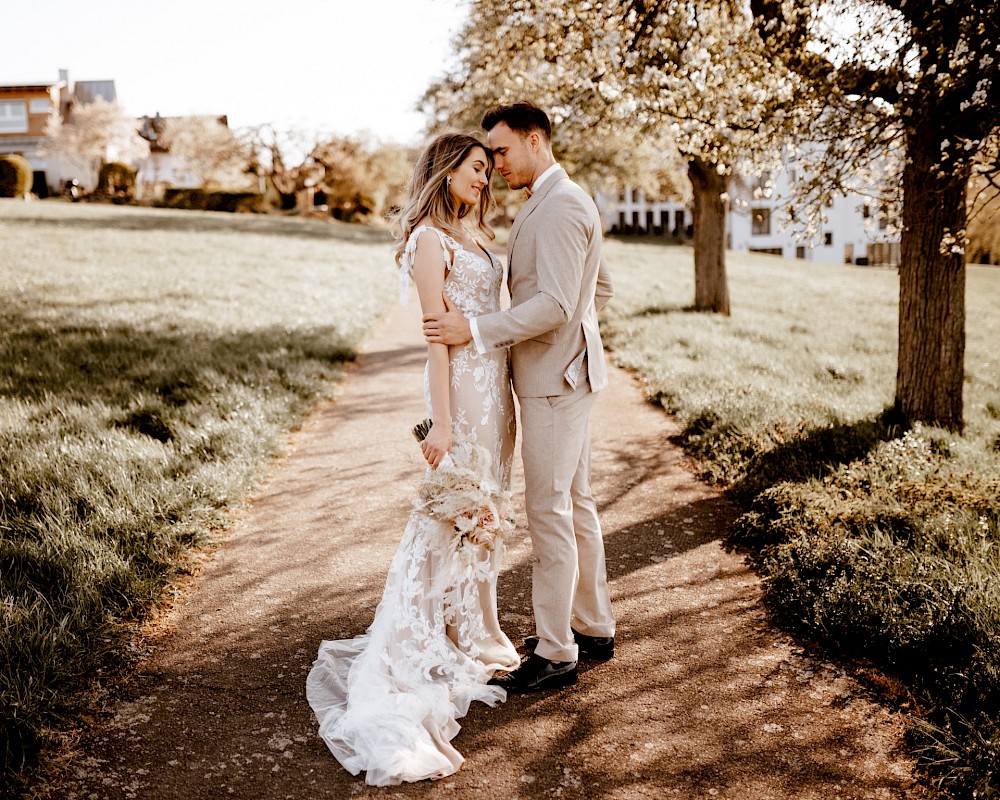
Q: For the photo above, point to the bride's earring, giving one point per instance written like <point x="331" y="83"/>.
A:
<point x="449" y="181"/>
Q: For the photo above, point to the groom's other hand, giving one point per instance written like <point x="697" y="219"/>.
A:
<point x="447" y="327"/>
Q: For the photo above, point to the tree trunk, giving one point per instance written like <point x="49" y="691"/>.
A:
<point x="711" y="290"/>
<point x="930" y="367"/>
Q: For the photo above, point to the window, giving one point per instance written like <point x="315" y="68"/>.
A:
<point x="760" y="221"/>
<point x="13" y="116"/>
<point x="827" y="239"/>
<point x="761" y="185"/>
<point x="866" y="211"/>
<point x="39" y="105"/>
<point x="883" y="216"/>
<point x="800" y="251"/>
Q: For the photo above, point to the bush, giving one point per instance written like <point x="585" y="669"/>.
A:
<point x="235" y="202"/>
<point x="187" y="199"/>
<point x="116" y="180"/>
<point x="200" y="200"/>
<point x="15" y="176"/>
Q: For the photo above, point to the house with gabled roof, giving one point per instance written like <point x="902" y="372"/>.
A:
<point x="25" y="111"/>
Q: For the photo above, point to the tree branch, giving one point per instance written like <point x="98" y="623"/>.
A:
<point x="788" y="40"/>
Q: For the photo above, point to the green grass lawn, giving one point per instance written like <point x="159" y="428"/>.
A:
<point x="878" y="542"/>
<point x="150" y="363"/>
<point x="806" y="344"/>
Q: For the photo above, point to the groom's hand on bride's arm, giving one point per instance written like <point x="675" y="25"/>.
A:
<point x="447" y="327"/>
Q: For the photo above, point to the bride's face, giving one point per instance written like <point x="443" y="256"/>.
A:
<point x="470" y="177"/>
<point x="514" y="156"/>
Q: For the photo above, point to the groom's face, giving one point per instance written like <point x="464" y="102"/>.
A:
<point x="514" y="155"/>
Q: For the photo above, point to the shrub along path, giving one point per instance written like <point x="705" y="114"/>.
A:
<point x="703" y="699"/>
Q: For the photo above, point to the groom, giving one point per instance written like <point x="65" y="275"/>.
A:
<point x="558" y="282"/>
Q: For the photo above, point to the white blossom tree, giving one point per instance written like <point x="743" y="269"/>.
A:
<point x="95" y="134"/>
<point x="208" y="148"/>
<point x="919" y="79"/>
<point x="358" y="175"/>
<point x="698" y="65"/>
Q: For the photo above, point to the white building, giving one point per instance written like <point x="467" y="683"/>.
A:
<point x="852" y="232"/>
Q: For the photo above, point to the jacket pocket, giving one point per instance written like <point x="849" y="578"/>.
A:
<point x="545" y="338"/>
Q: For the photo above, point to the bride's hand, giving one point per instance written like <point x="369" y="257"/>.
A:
<point x="436" y="444"/>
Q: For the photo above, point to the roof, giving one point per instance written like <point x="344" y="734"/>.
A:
<point x="151" y="128"/>
<point x="29" y="87"/>
<point x="88" y="91"/>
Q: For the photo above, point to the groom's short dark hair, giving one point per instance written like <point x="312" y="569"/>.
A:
<point x="522" y="118"/>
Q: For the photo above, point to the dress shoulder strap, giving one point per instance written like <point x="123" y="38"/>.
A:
<point x="448" y="247"/>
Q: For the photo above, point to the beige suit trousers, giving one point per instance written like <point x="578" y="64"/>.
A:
<point x="569" y="580"/>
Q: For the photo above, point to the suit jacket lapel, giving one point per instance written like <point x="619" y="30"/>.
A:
<point x="527" y="209"/>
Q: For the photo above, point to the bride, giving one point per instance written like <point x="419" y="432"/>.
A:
<point x="387" y="701"/>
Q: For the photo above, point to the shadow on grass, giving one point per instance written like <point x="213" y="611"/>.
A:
<point x="152" y="219"/>
<point x="116" y="445"/>
<point x="667" y="241"/>
<point x="809" y="454"/>
<point x="113" y="364"/>
<point x="670" y="308"/>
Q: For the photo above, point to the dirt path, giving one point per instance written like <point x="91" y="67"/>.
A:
<point x="702" y="700"/>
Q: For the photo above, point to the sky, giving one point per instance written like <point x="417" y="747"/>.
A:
<point x="337" y="66"/>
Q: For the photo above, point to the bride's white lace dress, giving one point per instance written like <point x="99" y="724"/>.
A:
<point x="387" y="701"/>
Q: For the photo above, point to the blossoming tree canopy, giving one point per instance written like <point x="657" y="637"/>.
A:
<point x="93" y="134"/>
<point x="634" y="87"/>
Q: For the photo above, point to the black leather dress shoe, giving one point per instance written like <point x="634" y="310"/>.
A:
<point x="537" y="673"/>
<point x="598" y="648"/>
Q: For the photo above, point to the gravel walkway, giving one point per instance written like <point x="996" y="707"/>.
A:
<point x="703" y="699"/>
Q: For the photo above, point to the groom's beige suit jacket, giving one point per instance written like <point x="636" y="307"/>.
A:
<point x="558" y="279"/>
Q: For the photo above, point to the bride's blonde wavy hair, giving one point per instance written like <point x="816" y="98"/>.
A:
<point x="428" y="194"/>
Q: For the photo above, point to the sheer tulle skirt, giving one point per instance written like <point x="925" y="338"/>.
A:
<point x="387" y="701"/>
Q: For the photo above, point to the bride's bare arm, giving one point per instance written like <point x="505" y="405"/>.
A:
<point x="428" y="275"/>
<point x="447" y="326"/>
